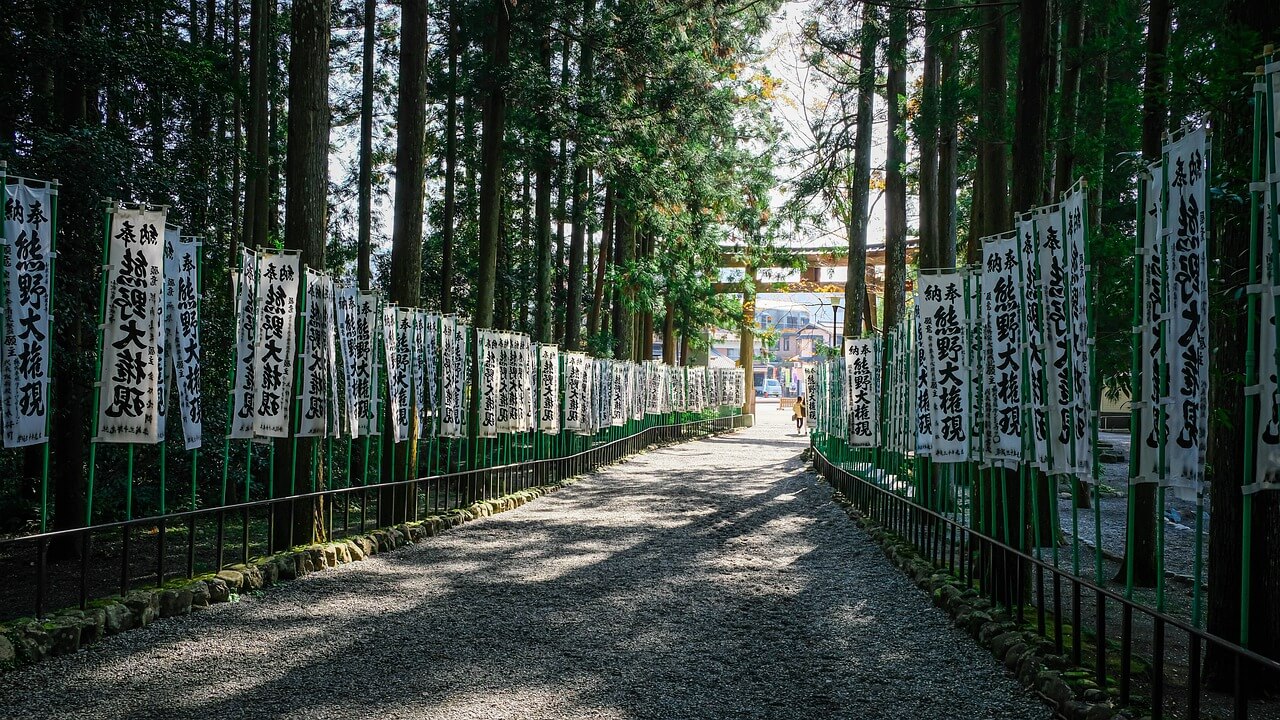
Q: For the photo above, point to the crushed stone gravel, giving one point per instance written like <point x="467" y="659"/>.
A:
<point x="712" y="579"/>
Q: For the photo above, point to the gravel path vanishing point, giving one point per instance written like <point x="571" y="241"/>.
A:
<point x="712" y="579"/>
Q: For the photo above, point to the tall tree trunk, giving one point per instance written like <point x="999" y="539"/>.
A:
<point x="1154" y="111"/>
<point x="450" y="167"/>
<point x="1030" y="134"/>
<point x="948" y="143"/>
<point x="581" y="197"/>
<point x="644" y="330"/>
<point x="257" y="161"/>
<point x="855" y="288"/>
<point x="521" y="267"/>
<point x="620" y="231"/>
<point x="237" y="208"/>
<point x="306" y="218"/>
<point x="602" y="260"/>
<point x="69" y="436"/>
<point x="993" y="214"/>
<point x="406" y="229"/>
<point x="491" y="158"/>
<point x="1032" y="109"/>
<point x="895" y="239"/>
<point x="493" y="121"/>
<point x="1072" y="37"/>
<point x="669" y="331"/>
<point x="364" y="243"/>
<point x="624" y="303"/>
<point x="1250" y="22"/>
<point x="563" y="162"/>
<point x="927" y="134"/>
<point x="542" y="325"/>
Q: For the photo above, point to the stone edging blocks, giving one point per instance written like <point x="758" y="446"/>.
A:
<point x="1025" y="653"/>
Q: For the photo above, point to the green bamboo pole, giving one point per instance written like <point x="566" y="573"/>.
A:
<point x="1136" y="372"/>
<point x="299" y="344"/>
<point x="1162" y="420"/>
<point x="1074" y="478"/>
<point x="195" y="452"/>
<point x="97" y="363"/>
<point x="48" y="361"/>
<point x="1250" y="363"/>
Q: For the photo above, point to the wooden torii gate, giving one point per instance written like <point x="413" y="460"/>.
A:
<point x="810" y="281"/>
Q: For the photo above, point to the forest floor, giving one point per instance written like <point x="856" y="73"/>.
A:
<point x="709" y="579"/>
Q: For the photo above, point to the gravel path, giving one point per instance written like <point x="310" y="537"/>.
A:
<point x="713" y="579"/>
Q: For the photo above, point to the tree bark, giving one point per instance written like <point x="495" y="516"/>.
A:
<point x="450" y="167"/>
<point x="948" y="143"/>
<point x="306" y="231"/>
<point x="364" y="242"/>
<point x="602" y="260"/>
<point x="1032" y="109"/>
<point x="624" y="303"/>
<point x="1154" y="111"/>
<point x="895" y="239"/>
<point x="257" y="160"/>
<point x="993" y="211"/>
<point x="860" y="190"/>
<point x="542" y="325"/>
<point x="927" y="138"/>
<point x="492" y="165"/>
<point x="1249" y="23"/>
<point x="573" y="299"/>
<point x="1072" y="38"/>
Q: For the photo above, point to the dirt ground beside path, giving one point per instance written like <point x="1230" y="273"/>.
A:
<point x="711" y="579"/>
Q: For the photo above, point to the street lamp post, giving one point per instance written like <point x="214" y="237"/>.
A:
<point x="835" y="307"/>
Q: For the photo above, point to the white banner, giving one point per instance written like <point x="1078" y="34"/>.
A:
<point x="1058" y="336"/>
<point x="395" y="358"/>
<point x="129" y="383"/>
<point x="242" y="407"/>
<point x="418" y="376"/>
<point x="172" y="234"/>
<point x="453" y="377"/>
<point x="1187" y="338"/>
<point x="347" y="301"/>
<point x="1073" y="221"/>
<point x="488" y="385"/>
<point x="277" y="303"/>
<point x="575" y="384"/>
<point x="1002" y="350"/>
<point x="923" y="386"/>
<point x="368" y="338"/>
<point x="1153" y="298"/>
<point x="431" y="369"/>
<point x="1268" y="434"/>
<point x="28" y="236"/>
<point x="318" y="359"/>
<point x="1033" y="349"/>
<point x="548" y="389"/>
<point x="943" y="313"/>
<point x="182" y="331"/>
<point x="860" y="391"/>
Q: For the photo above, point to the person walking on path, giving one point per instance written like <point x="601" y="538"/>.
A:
<point x="797" y="413"/>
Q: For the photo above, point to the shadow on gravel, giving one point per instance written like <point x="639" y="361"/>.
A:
<point x="696" y="593"/>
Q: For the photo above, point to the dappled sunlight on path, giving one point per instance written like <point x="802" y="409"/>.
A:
<point x="706" y="580"/>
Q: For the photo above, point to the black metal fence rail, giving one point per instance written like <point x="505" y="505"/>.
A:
<point x="182" y="545"/>
<point x="956" y="548"/>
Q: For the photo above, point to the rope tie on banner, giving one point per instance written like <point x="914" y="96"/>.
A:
<point x="1258" y="186"/>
